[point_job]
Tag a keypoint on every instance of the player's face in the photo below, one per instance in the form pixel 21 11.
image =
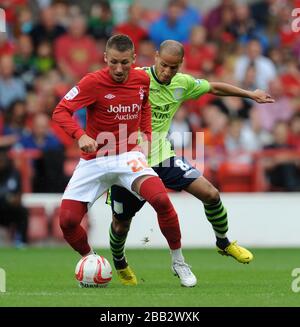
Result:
pixel 119 63
pixel 166 66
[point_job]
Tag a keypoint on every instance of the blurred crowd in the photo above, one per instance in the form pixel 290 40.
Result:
pixel 49 45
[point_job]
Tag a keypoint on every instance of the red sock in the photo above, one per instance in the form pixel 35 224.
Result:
pixel 71 214
pixel 154 192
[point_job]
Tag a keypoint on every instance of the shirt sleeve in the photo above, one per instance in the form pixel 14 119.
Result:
pixel 80 96
pixel 195 87
pixel 146 126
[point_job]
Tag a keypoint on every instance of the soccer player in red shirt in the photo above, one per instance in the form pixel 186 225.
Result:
pixel 116 99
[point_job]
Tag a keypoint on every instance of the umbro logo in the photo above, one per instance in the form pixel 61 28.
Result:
pixel 109 96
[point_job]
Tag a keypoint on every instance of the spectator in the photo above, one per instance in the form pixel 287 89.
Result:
pixel 61 8
pixel 146 53
pixel 15 120
pixel 25 22
pixel 249 81
pixel 265 69
pixel 281 110
pixel 11 88
pixel 75 52
pixel 133 27
pixel 50 165
pixel 290 78
pixel 44 57
pixel 6 46
pixel 262 12
pixel 12 212
pixel 120 10
pixel 240 141
pixel 190 15
pixel 282 168
pixel 294 136
pixel 100 23
pixel 244 28
pixel 197 47
pixel 234 106
pixel 47 28
pixel 215 17
pixel 169 25
pixel 215 123
pixel 25 62
pixel 263 137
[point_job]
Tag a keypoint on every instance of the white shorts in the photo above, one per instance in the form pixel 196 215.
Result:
pixel 91 178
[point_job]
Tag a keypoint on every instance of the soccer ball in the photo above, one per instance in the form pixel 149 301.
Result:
pixel 93 271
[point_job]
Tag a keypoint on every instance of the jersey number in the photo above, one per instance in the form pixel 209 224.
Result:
pixel 137 164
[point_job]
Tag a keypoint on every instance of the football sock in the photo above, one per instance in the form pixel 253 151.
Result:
pixel 71 214
pixel 177 255
pixel 222 243
pixel 153 191
pixel 217 215
pixel 117 244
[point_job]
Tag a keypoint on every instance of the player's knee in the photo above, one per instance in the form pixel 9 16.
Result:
pixel 212 195
pixel 161 203
pixel 121 227
pixel 67 219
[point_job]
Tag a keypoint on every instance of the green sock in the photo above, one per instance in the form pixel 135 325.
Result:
pixel 217 215
pixel 117 245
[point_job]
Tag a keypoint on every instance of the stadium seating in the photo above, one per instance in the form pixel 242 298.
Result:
pixel 235 177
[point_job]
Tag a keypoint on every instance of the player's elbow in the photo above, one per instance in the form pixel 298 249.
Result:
pixel 55 115
pixel 58 114
pixel 218 88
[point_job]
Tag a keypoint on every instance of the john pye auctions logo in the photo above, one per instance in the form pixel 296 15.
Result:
pixel 131 112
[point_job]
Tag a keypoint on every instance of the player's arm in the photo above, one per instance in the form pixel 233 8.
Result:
pixel 79 96
pixel 225 89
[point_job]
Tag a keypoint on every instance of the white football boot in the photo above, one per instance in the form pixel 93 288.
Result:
pixel 183 271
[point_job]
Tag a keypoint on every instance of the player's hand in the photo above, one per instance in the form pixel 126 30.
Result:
pixel 261 96
pixel 87 144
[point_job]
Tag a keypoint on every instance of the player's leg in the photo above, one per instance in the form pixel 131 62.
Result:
pixel 141 180
pixel 124 206
pixel 87 183
pixel 71 214
pixel 216 214
pixel 153 191
pixel 178 174
pixel 117 237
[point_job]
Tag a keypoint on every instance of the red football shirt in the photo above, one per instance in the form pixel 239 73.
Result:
pixel 115 111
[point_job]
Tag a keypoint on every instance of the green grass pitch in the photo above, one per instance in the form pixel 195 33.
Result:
pixel 45 277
